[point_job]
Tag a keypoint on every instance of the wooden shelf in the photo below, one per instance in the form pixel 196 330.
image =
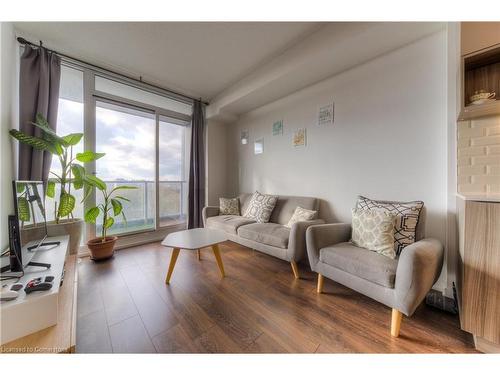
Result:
pixel 481 110
pixel 60 338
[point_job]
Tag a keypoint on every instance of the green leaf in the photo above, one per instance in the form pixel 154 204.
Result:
pixel 109 222
pixel 49 134
pixel 20 186
pixel 122 187
pixel 91 215
pixel 88 156
pixel 51 189
pixel 23 209
pixel 87 190
pixel 78 173
pixel 73 138
pixel 117 206
pixel 95 182
pixel 122 198
pixel 66 205
pixel 35 142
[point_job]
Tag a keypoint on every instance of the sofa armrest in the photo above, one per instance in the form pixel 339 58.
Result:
pixel 297 239
pixel 419 267
pixel 320 236
pixel 209 211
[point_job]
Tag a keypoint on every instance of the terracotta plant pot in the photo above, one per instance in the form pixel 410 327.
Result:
pixel 100 249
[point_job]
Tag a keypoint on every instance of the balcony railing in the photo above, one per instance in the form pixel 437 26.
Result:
pixel 141 210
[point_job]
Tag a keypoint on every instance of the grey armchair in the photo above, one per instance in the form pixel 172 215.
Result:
pixel 400 283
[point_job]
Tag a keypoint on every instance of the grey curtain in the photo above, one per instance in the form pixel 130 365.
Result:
pixel 39 77
pixel 196 194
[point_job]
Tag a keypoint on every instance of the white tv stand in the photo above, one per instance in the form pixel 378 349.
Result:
pixel 43 321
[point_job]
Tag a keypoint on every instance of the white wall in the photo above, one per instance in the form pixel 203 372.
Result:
pixel 216 158
pixel 389 140
pixel 8 118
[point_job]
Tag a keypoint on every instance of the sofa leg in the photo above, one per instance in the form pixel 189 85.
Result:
pixel 320 283
pixel 397 316
pixel 295 269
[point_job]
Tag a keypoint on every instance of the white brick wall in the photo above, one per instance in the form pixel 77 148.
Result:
pixel 479 155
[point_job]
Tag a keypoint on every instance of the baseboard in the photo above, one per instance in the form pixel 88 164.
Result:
pixel 486 346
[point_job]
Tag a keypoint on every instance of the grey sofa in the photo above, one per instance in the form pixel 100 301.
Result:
pixel 400 283
pixel 272 238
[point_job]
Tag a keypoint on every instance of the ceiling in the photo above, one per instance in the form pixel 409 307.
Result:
pixel 200 59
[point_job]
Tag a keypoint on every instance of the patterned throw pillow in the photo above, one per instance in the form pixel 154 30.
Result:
pixel 301 214
pixel 374 230
pixel 260 207
pixel 408 214
pixel 229 206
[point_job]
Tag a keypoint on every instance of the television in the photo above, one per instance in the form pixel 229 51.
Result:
pixel 28 226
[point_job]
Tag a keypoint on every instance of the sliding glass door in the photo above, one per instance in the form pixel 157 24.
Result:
pixel 172 181
pixel 127 135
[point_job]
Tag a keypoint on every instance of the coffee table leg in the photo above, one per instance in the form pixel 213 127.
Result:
pixel 218 258
pixel 173 259
pixel 199 254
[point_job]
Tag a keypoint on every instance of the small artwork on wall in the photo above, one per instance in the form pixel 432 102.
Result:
pixel 326 114
pixel 278 127
pixel 258 146
pixel 244 137
pixel 299 137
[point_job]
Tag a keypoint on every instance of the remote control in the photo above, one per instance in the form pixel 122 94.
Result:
pixel 37 285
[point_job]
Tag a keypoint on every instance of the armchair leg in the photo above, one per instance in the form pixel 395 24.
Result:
pixel 295 269
pixel 397 316
pixel 320 283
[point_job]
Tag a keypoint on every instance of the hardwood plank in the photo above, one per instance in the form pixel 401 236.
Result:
pixel 215 340
pixel 92 333
pixel 130 336
pixel 265 344
pixel 154 312
pixel 174 340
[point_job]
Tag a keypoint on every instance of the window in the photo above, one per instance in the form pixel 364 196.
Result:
pixel 127 136
pixel 69 120
pixel 173 154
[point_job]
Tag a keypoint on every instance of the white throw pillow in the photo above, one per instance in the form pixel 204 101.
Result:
pixel 374 230
pixel 260 207
pixel 301 214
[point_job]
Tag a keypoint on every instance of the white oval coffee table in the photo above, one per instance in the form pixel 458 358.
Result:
pixel 194 239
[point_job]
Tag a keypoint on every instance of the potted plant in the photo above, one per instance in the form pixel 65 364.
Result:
pixel 103 247
pixel 72 175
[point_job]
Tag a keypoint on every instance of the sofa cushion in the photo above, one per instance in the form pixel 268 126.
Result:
pixel 229 206
pixel 286 205
pixel 260 207
pixel 408 215
pixel 267 233
pixel 360 262
pixel 301 214
pixel 228 223
pixel 374 230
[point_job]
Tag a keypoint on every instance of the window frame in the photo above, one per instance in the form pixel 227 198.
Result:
pixel 90 98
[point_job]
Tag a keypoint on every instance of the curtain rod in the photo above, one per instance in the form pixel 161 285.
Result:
pixel 24 41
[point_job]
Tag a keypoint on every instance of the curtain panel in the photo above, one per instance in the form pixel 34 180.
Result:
pixel 196 194
pixel 39 78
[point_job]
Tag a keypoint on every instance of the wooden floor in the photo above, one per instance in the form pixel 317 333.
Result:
pixel 125 306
